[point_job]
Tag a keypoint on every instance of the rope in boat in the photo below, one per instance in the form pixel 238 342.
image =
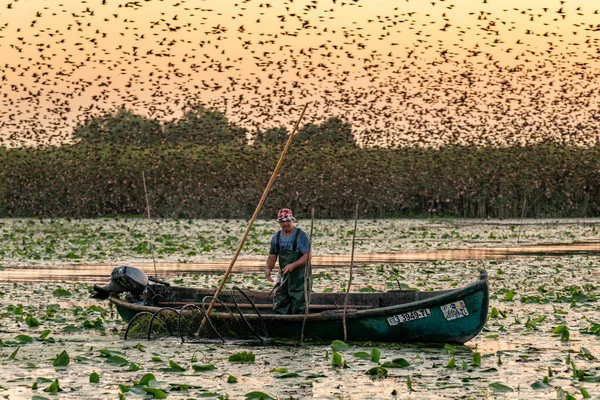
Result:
pixel 264 325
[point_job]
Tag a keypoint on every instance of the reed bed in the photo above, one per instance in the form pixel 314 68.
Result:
pixel 188 181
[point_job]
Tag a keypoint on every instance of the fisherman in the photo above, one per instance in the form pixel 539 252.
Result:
pixel 292 246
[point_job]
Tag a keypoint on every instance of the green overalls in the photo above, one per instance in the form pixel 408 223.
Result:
pixel 289 290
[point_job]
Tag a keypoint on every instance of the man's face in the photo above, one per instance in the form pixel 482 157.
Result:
pixel 287 226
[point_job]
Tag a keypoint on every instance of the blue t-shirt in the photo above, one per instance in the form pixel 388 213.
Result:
pixel 287 243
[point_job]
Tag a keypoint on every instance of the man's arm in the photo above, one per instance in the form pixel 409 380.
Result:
pixel 271 259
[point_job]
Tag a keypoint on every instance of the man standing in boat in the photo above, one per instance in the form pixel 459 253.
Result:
pixel 291 245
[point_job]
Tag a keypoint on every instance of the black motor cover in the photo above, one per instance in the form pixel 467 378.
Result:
pixel 123 279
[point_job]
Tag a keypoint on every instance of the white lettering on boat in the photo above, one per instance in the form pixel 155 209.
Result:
pixel 455 310
pixel 409 316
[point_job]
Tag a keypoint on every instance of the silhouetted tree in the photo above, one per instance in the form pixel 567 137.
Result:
pixel 120 127
pixel 275 137
pixel 204 126
pixel 334 131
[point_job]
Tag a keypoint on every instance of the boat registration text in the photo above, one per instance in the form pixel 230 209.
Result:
pixel 455 310
pixel 409 316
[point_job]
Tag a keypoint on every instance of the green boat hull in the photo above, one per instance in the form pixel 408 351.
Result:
pixel 449 316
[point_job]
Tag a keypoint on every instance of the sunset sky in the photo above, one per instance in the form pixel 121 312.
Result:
pixel 401 72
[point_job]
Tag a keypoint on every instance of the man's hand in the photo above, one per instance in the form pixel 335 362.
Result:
pixel 288 268
pixel 298 264
pixel 268 274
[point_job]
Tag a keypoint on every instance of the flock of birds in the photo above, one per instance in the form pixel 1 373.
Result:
pixel 402 73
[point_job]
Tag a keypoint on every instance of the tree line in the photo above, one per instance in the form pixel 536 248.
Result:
pixel 202 126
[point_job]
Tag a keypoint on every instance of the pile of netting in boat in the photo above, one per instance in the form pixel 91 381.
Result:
pixel 192 322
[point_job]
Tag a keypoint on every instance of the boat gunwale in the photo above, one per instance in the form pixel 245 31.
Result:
pixel 447 296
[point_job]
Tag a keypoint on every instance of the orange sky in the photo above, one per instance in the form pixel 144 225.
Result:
pixel 413 69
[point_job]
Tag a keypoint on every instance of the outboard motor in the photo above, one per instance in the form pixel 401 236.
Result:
pixel 123 279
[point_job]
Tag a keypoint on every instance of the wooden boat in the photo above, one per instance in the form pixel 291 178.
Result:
pixel 445 316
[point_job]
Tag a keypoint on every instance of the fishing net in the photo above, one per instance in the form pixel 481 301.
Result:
pixel 239 320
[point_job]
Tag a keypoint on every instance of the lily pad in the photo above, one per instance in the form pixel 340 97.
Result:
pixel 203 367
pixel 540 385
pixel 133 367
pixel 396 363
pixel 23 339
pixel 62 360
pixel 157 393
pixel 375 355
pixel 242 357
pixel 279 370
pixel 379 372
pixel 287 375
pixel 338 345
pixel 54 387
pixel 500 387
pixel 173 367
pixel 146 378
pixel 258 396
pixel 209 394
pixel 60 292
pixel 13 355
pixel 117 360
pixel 336 359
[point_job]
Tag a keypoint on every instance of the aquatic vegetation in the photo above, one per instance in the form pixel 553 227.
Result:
pixel 54 337
pixel 242 357
pixel 26 242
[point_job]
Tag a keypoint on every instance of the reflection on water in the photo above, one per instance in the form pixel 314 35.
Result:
pixel 101 272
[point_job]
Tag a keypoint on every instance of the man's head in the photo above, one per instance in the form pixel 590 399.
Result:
pixel 286 219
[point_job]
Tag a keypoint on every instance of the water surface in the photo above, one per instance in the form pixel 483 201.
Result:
pixel 100 272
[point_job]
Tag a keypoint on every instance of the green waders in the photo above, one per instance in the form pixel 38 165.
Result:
pixel 289 290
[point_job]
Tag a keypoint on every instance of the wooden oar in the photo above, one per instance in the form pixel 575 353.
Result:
pixel 260 204
pixel 351 265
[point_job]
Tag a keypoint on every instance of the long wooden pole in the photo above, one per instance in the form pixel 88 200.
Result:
pixel 306 268
pixel 521 221
pixel 260 204
pixel 149 219
pixel 351 267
